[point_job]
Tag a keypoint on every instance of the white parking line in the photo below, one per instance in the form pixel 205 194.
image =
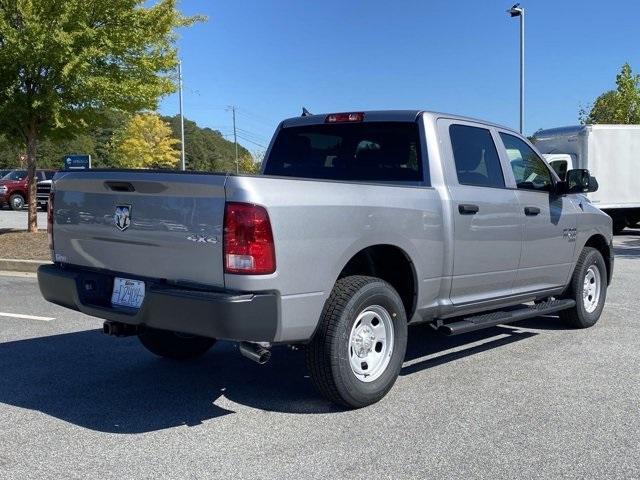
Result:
pixel 26 317
pixel 9 273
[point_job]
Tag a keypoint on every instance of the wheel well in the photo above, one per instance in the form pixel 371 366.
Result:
pixel 600 243
pixel 391 264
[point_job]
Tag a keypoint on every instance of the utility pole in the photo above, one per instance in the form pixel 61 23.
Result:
pixel 235 137
pixel 181 115
pixel 518 11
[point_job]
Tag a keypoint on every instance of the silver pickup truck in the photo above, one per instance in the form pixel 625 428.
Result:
pixel 360 224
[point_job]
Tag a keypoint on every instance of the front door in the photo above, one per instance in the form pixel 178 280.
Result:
pixel 486 219
pixel 550 220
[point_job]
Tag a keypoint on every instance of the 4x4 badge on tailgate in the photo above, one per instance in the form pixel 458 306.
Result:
pixel 122 217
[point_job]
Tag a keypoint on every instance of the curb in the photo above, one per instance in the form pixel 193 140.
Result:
pixel 15 265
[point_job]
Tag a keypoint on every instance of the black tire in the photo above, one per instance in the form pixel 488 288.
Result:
pixel 579 316
pixel 328 354
pixel 16 202
pixel 174 345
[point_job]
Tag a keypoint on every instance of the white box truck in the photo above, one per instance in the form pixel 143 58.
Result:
pixel 612 155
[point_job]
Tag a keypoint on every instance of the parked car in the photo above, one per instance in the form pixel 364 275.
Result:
pixel 43 190
pixel 14 189
pixel 361 224
pixel 611 153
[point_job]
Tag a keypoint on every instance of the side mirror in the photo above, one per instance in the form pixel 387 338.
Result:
pixel 580 180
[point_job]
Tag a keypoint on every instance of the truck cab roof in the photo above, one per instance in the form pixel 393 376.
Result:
pixel 386 116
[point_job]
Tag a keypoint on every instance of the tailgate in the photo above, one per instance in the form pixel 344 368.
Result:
pixel 147 224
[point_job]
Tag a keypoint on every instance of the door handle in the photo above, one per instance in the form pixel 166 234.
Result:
pixel 468 209
pixel 531 211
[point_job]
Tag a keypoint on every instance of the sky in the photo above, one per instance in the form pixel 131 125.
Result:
pixel 271 58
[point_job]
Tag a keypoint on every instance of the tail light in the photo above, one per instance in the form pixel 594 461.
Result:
pixel 248 240
pixel 50 219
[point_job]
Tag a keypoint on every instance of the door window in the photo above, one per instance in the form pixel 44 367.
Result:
pixel 529 170
pixel 476 157
pixel 560 166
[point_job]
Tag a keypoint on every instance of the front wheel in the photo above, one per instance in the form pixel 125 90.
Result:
pixel 174 345
pixel 356 354
pixel 16 202
pixel 588 288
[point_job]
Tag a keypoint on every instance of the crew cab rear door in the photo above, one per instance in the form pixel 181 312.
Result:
pixel 487 237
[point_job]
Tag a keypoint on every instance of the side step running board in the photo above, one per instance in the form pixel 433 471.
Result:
pixel 477 322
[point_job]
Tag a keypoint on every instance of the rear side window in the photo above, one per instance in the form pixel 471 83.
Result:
pixel 368 151
pixel 476 156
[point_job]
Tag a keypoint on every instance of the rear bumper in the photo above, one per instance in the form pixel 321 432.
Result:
pixel 222 315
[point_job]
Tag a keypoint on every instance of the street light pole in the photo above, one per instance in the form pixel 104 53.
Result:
pixel 518 11
pixel 181 115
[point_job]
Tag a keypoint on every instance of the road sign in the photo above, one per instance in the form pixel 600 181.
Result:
pixel 77 162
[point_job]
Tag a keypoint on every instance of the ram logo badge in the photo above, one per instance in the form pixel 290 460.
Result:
pixel 122 217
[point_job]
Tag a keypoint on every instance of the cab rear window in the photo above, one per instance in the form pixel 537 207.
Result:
pixel 368 151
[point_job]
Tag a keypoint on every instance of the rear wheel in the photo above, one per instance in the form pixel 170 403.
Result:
pixel 16 201
pixel 357 352
pixel 175 345
pixel 588 288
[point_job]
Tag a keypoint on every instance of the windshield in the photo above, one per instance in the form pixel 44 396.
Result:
pixel 369 151
pixel 15 175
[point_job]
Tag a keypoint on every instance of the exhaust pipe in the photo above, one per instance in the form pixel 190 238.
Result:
pixel 255 352
pixel 118 329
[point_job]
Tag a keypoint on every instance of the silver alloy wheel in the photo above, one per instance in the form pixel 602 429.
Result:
pixel 17 202
pixel 591 289
pixel 371 343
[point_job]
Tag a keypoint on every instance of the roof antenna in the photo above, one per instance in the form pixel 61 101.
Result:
pixel 305 112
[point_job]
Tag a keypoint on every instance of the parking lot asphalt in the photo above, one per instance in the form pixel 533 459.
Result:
pixel 530 400
pixel 17 220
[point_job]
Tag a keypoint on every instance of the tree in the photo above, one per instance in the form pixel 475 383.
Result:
pixel 621 105
pixel 63 63
pixel 145 142
pixel 246 164
pixel 206 149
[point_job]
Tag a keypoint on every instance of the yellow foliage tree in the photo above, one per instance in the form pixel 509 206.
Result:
pixel 145 141
pixel 246 164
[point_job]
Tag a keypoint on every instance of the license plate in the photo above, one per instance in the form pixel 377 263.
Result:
pixel 127 292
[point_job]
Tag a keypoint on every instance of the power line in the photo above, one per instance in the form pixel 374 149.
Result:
pixel 252 114
pixel 255 136
pixel 251 141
